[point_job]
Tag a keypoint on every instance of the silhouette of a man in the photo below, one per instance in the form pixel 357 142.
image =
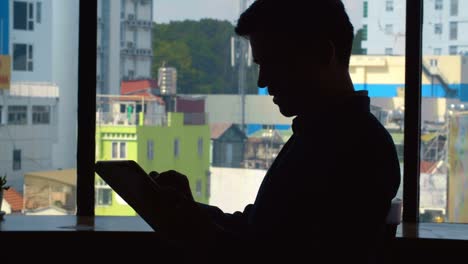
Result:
pixel 327 194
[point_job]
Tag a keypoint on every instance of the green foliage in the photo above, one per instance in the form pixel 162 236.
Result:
pixel 3 182
pixel 201 53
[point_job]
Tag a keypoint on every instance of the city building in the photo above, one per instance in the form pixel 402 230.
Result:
pixel 445 27
pixel 157 141
pixel 28 130
pixel 124 50
pixel 228 143
pixel 42 42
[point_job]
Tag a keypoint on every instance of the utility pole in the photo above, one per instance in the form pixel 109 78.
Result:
pixel 241 57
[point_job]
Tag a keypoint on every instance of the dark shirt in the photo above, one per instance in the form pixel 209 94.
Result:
pixel 326 195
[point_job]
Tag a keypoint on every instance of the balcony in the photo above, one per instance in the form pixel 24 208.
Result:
pixel 133 119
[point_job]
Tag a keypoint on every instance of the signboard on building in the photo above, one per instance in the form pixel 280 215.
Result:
pixel 4 27
pixel 5 72
pixel 458 169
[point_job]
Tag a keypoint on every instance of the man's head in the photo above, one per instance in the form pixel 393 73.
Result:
pixel 298 45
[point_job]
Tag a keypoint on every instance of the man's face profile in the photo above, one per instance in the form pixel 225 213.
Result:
pixel 285 72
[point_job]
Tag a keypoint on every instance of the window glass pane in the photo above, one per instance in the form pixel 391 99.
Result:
pixel 197 80
pixel 38 117
pixel 444 90
pixel 20 15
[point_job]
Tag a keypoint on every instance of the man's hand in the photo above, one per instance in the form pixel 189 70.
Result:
pixel 173 180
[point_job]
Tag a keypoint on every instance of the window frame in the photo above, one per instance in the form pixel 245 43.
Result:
pixel 87 106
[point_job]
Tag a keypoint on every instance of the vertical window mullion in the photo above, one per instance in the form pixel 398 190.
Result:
pixel 412 141
pixel 86 107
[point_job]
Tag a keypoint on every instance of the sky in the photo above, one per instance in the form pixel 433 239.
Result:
pixel 170 10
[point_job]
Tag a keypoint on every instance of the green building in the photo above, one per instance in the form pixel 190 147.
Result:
pixel 172 143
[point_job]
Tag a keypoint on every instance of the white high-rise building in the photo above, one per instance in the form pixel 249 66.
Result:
pixel 445 28
pixel 124 49
pixel 43 45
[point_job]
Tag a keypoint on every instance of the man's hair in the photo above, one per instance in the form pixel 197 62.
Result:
pixel 301 21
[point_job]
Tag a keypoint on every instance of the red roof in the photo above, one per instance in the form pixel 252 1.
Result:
pixel 14 199
pixel 218 129
pixel 132 87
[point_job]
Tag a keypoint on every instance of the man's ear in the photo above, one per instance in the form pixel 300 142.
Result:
pixel 327 53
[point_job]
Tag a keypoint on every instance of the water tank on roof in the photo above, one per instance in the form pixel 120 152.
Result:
pixel 167 80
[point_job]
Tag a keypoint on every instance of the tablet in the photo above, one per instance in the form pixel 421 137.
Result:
pixel 134 185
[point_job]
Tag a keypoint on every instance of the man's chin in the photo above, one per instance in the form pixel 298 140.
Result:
pixel 287 112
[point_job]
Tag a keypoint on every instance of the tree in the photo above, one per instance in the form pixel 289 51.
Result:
pixel 201 53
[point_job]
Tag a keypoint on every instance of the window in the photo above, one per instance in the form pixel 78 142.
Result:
pixel 198 188
pixel 22 57
pixel 23 15
pixel 364 51
pixel 200 147
pixel 39 12
pixel 388 51
pixel 115 150
pixel 434 62
pixel 389 5
pixel 389 29
pixel 103 193
pixel 176 148
pixel 437 51
pixel 1 114
pixel 438 28
pixel 150 149
pixel 364 32
pixel 439 4
pixel 453 50
pixel 365 10
pixel 41 114
pixel 16 159
pixel 119 150
pixel 123 150
pixel 453 30
pixel 17 115
pixel 454 7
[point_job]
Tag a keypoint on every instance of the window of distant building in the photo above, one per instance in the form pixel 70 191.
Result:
pixel 22 57
pixel 119 150
pixel 437 51
pixel 103 193
pixel 389 5
pixel 38 12
pixel 17 115
pixel 389 29
pixel 453 30
pixel 200 146
pixel 365 9
pixel 439 4
pixel 23 15
pixel 176 148
pixel 1 114
pixel 150 149
pixel 454 7
pixel 16 159
pixel 453 50
pixel 198 188
pixel 364 51
pixel 388 51
pixel 438 28
pixel 40 114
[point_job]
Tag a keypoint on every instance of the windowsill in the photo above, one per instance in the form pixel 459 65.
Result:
pixel 433 231
pixel 71 223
